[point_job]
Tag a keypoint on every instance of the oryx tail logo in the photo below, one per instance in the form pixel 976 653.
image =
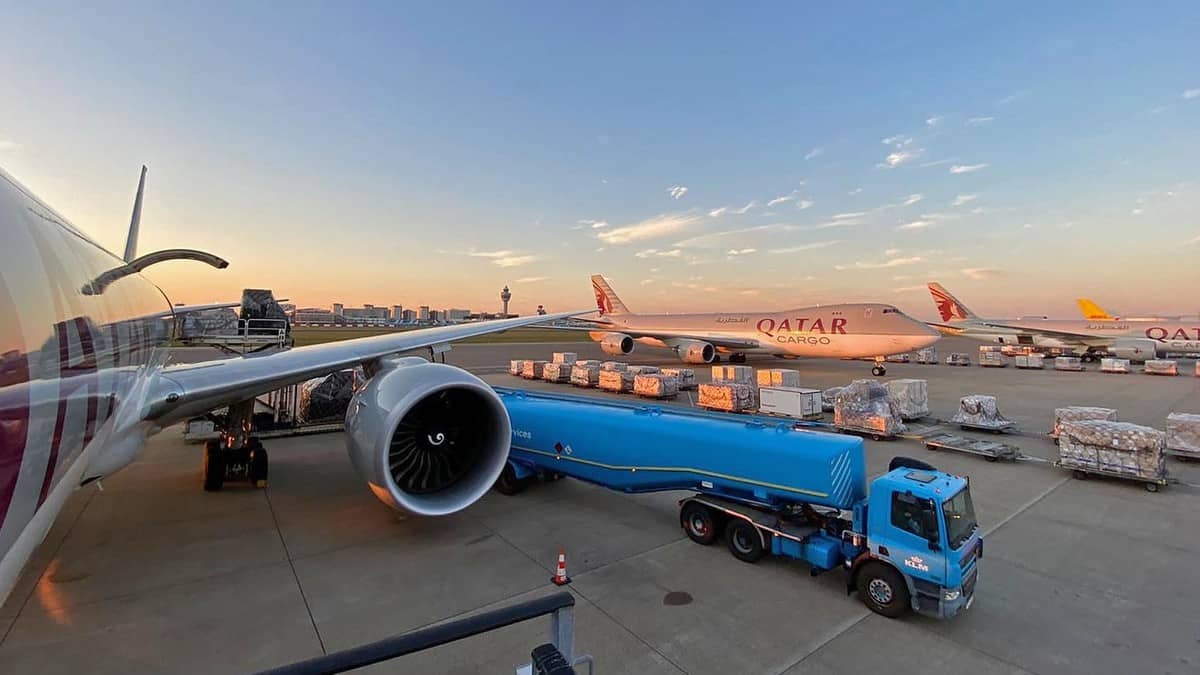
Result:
pixel 602 301
pixel 949 307
pixel 606 298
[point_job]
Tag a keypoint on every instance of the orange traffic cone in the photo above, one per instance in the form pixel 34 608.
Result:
pixel 560 577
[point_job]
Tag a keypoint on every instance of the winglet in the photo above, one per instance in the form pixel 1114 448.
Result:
pixel 135 221
pixel 606 299
pixel 948 305
pixel 1091 310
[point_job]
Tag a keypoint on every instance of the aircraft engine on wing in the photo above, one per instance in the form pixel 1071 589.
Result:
pixel 1137 350
pixel 695 351
pixel 429 438
pixel 617 344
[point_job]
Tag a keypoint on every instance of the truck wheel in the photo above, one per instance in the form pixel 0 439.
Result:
pixel 744 541
pixel 214 466
pixel 883 590
pixel 508 483
pixel 699 523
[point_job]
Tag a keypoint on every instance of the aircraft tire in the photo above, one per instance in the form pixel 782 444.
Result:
pixel 214 466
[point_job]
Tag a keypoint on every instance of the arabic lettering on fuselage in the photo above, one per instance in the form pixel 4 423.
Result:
pixel 732 319
pixel 1107 325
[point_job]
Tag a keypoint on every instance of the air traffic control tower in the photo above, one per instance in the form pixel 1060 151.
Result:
pixel 505 296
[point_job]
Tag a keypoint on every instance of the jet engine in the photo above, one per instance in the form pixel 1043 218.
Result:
pixel 695 351
pixel 1137 350
pixel 429 439
pixel 617 344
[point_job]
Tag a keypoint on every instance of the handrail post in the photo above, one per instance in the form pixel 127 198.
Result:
pixel 562 632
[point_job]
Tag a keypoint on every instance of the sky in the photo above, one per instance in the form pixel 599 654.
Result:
pixel 703 156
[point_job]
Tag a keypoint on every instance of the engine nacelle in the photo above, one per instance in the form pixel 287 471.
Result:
pixel 695 351
pixel 429 439
pixel 1137 350
pixel 617 344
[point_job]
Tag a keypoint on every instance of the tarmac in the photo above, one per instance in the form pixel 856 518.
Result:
pixel 150 574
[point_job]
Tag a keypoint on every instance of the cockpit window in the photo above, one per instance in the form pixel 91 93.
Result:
pixel 890 310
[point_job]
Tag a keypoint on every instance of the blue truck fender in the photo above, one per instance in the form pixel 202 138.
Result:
pixel 860 562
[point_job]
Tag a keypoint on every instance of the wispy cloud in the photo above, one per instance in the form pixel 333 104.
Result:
pixel 742 211
pixel 814 153
pixel 934 120
pixel 939 162
pixel 892 252
pixel 895 159
pixel 854 191
pixel 721 239
pixel 967 168
pixel 979 121
pixel 893 262
pixel 903 151
pixel 810 246
pixel 915 225
pixel 9 146
pixel 595 224
pixel 978 210
pixel 781 200
pixel 647 282
pixel 1194 240
pixel 651 228
pixel 1015 96
pixel 514 260
pixel 489 254
pixel 963 199
pixel 531 280
pixel 1190 94
pixel 740 251
pixel 717 213
pixel 804 204
pixel 908 289
pixel 677 191
pixel 849 216
pixel 981 273
pixel 656 253
pixel 913 199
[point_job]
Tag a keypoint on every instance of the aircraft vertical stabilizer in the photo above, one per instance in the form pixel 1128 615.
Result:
pixel 948 306
pixel 1091 310
pixel 135 221
pixel 606 299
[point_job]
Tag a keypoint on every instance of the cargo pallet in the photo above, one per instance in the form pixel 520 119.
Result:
pixel 1001 428
pixel 657 397
pixel 873 434
pixel 1185 455
pixel 1152 484
pixel 989 450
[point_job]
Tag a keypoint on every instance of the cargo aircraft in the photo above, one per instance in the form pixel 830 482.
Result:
pixel 1133 339
pixel 827 331
pixel 83 343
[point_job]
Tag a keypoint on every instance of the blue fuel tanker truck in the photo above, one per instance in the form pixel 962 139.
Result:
pixel 907 540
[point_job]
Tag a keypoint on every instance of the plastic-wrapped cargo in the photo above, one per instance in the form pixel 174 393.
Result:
pixel 778 377
pixel 911 398
pixel 1077 413
pixel 615 380
pixel 899 358
pixel 958 359
pixel 1160 367
pixel 655 385
pixel 927 356
pixel 532 370
pixel 1113 447
pixel 614 365
pixel 325 399
pixel 686 377
pixel 585 376
pixel 743 374
pixel 222 321
pixel 587 362
pixel 1183 433
pixel 828 397
pixel 980 410
pixel 516 366
pixel 727 396
pixel 790 402
pixel 1030 361
pixel 865 405
pixel 643 370
pixel 1070 363
pixel 1114 365
pixel 993 359
pixel 564 357
pixel 557 372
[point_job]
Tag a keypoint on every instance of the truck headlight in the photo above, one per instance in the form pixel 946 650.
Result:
pixel 951 595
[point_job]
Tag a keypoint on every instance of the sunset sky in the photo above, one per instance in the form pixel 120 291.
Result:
pixel 703 156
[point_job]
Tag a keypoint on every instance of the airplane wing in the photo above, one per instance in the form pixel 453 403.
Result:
pixel 185 391
pixel 664 335
pixel 1081 338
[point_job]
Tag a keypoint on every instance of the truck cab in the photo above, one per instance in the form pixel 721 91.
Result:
pixel 923 544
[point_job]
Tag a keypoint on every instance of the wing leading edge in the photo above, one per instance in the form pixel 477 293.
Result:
pixel 186 391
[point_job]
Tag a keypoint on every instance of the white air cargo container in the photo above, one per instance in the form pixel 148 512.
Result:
pixel 993 359
pixel 778 377
pixel 958 359
pixel 1069 363
pixel 927 356
pixel 790 402
pixel 1114 365
pixel 1030 361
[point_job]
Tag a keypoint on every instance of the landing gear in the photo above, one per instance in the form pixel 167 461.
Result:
pixel 235 455
pixel 737 358
pixel 879 370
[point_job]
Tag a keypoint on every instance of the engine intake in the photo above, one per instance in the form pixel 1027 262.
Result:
pixel 428 438
pixel 695 351
pixel 617 344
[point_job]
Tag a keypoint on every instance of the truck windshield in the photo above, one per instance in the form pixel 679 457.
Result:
pixel 960 518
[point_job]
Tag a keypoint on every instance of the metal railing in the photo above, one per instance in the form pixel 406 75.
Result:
pixel 562 635
pixel 250 335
